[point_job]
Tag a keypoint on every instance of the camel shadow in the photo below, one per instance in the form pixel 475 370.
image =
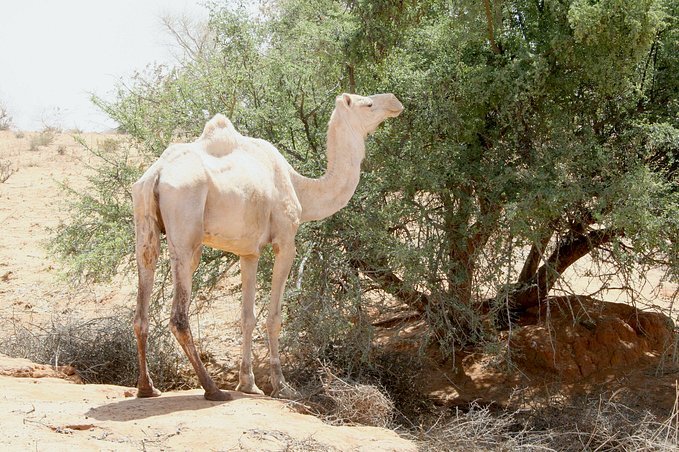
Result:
pixel 135 408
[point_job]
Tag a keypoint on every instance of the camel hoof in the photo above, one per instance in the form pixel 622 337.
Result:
pixel 249 389
pixel 218 396
pixel 148 392
pixel 286 392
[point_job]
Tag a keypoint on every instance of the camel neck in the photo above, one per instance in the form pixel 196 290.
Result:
pixel 322 197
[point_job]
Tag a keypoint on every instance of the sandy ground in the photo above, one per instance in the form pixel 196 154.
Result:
pixel 32 203
pixel 52 414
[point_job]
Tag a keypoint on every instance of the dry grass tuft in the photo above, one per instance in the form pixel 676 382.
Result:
pixel 42 139
pixel 609 425
pixel 478 428
pixel 354 403
pixel 587 424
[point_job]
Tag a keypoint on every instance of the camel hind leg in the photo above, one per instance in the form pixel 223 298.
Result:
pixel 147 250
pixel 183 264
pixel 183 219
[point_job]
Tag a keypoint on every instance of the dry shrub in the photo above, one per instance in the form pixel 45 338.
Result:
pixel 601 425
pixel 355 403
pixel 341 401
pixel 109 145
pixel 6 170
pixel 385 391
pixel 102 350
pixel 44 138
pixel 607 425
pixel 400 373
pixel 478 428
pixel 5 118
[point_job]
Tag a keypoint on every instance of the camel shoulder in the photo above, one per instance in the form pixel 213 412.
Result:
pixel 263 149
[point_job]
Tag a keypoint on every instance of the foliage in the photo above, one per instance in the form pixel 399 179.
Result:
pixel 534 133
pixel 97 241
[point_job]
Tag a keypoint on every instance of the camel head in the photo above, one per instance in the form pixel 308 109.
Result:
pixel 366 113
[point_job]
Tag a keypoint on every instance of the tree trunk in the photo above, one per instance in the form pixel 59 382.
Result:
pixel 535 288
pixel 491 27
pixel 530 266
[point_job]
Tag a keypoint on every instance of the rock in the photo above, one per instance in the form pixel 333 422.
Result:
pixel 23 368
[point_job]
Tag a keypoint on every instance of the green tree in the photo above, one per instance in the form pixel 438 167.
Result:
pixel 526 125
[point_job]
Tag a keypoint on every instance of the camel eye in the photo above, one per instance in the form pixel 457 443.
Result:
pixel 368 104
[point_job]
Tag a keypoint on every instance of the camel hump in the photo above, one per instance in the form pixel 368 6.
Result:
pixel 218 124
pixel 219 136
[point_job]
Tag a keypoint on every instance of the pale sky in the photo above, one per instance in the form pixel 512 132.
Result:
pixel 53 53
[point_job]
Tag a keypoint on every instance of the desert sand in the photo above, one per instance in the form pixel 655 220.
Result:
pixel 50 413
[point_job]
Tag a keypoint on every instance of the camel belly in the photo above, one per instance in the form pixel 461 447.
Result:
pixel 239 247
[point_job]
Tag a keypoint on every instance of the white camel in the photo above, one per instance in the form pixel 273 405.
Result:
pixel 238 194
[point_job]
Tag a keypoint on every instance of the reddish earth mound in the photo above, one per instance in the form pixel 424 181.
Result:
pixel 569 346
pixel 579 337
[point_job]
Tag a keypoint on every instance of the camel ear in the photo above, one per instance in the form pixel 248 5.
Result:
pixel 346 99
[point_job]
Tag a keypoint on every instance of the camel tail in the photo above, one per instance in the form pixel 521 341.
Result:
pixel 148 222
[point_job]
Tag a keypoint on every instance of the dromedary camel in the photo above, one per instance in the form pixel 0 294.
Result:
pixel 238 194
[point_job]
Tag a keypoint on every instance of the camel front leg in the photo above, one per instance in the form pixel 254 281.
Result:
pixel 282 264
pixel 248 273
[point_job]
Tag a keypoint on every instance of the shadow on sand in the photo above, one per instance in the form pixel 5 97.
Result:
pixel 134 408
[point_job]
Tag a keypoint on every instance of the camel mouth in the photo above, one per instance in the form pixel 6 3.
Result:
pixel 395 111
pixel 388 104
pixel 396 108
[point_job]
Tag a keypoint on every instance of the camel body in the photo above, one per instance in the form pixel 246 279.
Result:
pixel 230 196
pixel 238 194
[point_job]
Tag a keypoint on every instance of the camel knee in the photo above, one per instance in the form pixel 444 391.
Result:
pixel 179 323
pixel 179 319
pixel 141 326
pixel 248 321
pixel 147 252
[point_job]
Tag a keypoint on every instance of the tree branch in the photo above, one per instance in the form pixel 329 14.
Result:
pixel 566 254
pixel 390 283
pixel 491 27
pixel 530 266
